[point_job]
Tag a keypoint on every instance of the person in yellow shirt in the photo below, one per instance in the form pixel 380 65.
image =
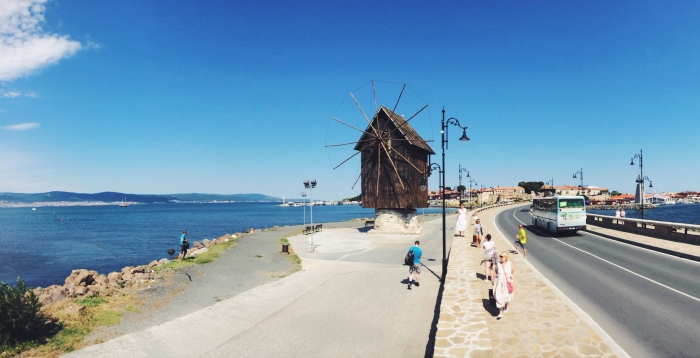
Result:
pixel 520 240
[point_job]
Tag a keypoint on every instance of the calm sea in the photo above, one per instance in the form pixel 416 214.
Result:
pixel 680 213
pixel 43 246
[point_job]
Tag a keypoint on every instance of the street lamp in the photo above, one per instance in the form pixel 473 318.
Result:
pixel 470 190
pixel 580 172
pixel 443 130
pixel 641 178
pixel 461 192
pixel 303 195
pixel 311 184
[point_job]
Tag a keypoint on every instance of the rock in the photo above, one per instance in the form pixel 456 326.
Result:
pixel 52 294
pixel 206 242
pixel 138 269
pixel 101 280
pixel 81 277
pixel 127 277
pixel 114 276
pixel 81 291
pixel 250 230
pixel 127 269
pixel 75 310
pixel 153 264
pixel 200 251
pixel 163 261
pixel 196 245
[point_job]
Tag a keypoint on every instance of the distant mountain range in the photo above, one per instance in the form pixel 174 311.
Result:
pixel 139 198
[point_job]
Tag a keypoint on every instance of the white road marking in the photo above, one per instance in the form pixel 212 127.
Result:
pixel 618 266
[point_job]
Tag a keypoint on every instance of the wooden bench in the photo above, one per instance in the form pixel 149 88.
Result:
pixel 369 222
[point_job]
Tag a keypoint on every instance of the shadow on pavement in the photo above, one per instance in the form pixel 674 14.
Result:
pixel 430 347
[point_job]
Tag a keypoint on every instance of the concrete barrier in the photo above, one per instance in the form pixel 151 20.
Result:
pixel 678 232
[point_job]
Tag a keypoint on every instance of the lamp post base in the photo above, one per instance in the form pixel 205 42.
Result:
pixel 444 269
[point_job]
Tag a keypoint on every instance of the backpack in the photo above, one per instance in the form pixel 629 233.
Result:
pixel 409 258
pixel 185 244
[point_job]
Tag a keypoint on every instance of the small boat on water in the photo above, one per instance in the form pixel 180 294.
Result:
pixel 123 204
pixel 33 209
pixel 285 204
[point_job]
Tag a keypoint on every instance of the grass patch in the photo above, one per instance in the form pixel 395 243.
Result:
pixel 91 301
pixel 295 259
pixel 284 241
pixel 131 309
pixel 258 256
pixel 106 318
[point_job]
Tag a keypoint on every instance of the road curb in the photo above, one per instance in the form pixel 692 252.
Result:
pixel 678 254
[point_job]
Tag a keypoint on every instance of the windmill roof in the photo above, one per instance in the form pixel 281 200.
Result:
pixel 402 126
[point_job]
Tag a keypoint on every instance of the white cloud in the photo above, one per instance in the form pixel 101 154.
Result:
pixel 11 94
pixel 24 46
pixel 21 127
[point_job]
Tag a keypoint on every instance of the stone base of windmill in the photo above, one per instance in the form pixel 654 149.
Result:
pixel 395 222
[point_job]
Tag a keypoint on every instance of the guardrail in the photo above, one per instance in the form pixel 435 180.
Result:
pixel 679 232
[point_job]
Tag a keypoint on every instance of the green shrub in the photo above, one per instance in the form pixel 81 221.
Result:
pixel 20 318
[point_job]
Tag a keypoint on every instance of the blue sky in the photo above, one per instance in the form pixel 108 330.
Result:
pixel 235 97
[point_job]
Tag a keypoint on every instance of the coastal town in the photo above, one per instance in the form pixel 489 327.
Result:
pixel 593 194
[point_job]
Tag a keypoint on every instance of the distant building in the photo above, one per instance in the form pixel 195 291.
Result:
pixel 502 193
pixel 593 193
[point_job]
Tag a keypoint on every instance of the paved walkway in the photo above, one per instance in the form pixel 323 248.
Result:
pixel 540 322
pixel 646 240
pixel 350 299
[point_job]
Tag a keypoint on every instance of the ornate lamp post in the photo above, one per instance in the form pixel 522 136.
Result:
pixel 443 130
pixel 641 178
pixel 311 184
pixel 461 192
pixel 303 195
pixel 470 190
pixel 579 172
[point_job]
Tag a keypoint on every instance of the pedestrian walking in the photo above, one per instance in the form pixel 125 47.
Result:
pixel 478 231
pixel 415 268
pixel 184 245
pixel 503 285
pixel 622 213
pixel 489 259
pixel 521 238
pixel 461 220
pixel 617 213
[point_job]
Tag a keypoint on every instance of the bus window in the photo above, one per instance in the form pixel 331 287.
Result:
pixel 570 203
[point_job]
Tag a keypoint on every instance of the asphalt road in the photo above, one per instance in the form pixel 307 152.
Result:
pixel 648 302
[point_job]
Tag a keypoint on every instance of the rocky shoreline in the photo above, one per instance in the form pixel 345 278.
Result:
pixel 83 283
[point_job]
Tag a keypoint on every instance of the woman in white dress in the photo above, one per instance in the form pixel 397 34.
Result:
pixel 504 275
pixel 461 220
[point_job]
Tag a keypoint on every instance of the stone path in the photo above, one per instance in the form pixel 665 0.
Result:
pixel 539 323
pixel 647 240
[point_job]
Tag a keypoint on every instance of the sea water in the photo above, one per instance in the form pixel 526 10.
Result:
pixel 680 213
pixel 43 246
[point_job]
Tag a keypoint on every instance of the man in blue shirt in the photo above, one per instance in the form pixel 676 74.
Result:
pixel 183 248
pixel 415 268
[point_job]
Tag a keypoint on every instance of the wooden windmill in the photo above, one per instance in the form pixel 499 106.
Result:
pixel 394 161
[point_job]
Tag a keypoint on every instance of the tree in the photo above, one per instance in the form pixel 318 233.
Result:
pixel 461 188
pixel 615 193
pixel 531 186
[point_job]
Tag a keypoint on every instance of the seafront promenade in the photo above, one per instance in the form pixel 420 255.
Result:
pixel 350 299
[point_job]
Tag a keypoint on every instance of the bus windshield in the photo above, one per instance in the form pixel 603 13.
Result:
pixel 570 203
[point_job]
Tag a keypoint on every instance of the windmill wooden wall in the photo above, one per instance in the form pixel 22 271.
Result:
pixel 405 157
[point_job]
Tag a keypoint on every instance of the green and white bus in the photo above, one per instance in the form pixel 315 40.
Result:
pixel 559 214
